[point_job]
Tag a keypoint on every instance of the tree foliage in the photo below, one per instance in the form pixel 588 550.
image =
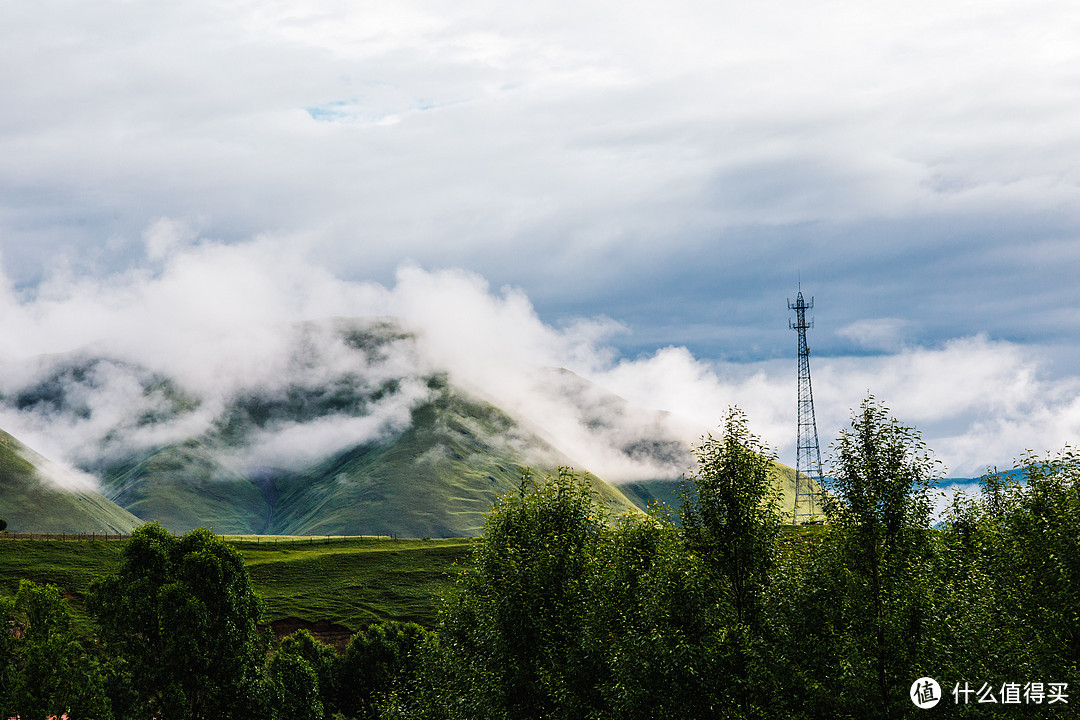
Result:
pixel 46 670
pixel 879 556
pixel 563 611
pixel 513 627
pixel 182 620
pixel 731 516
pixel 380 660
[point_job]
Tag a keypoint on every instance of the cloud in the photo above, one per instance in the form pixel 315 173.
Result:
pixel 880 334
pixel 566 150
pixel 165 236
pixel 221 320
pixel 294 445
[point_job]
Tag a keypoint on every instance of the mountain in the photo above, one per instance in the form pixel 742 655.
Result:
pixel 437 478
pixel 644 493
pixel 336 427
pixel 32 498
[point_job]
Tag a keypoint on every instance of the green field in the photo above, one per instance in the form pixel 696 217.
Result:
pixel 349 582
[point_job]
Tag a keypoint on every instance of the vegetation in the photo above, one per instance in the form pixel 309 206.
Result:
pixel 33 501
pixel 564 613
pixel 181 619
pixel 436 479
pixel 564 610
pixel 350 582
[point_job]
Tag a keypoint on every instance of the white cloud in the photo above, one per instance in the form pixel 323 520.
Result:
pixel 564 126
pixel 166 236
pixel 877 333
pixel 222 318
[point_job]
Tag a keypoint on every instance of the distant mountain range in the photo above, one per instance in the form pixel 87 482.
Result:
pixel 352 434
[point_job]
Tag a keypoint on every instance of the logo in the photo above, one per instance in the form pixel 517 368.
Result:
pixel 925 692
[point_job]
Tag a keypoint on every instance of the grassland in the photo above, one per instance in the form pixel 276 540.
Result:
pixel 346 581
pixel 351 581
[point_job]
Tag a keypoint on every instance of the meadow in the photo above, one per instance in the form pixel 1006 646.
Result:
pixel 346 581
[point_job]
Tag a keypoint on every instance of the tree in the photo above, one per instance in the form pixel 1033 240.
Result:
pixel 295 687
pixel 731 518
pixel 511 635
pixel 182 619
pixel 730 514
pixel 1021 544
pixel 652 617
pixel 298 695
pixel 878 557
pixel 379 660
pixel 46 671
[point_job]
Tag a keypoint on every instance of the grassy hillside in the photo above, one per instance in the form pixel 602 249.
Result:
pixel 436 479
pixel 353 581
pixel 31 502
pixel 352 435
pixel 185 486
pixel 645 492
pixel 348 582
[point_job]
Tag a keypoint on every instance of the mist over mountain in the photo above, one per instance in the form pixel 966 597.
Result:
pixel 38 495
pixel 347 428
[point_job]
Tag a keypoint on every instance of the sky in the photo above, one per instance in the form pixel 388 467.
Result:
pixel 633 190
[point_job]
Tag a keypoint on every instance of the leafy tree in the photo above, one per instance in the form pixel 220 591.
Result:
pixel 379 660
pixel 1019 542
pixel 181 617
pixel 879 560
pixel 731 519
pixel 295 687
pixel 652 617
pixel 730 514
pixel 286 673
pixel 511 635
pixel 46 671
pixel 1040 532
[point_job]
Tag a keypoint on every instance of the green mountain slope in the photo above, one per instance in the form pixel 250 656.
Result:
pixel 185 486
pixel 436 479
pixel 645 492
pixel 345 429
pixel 31 502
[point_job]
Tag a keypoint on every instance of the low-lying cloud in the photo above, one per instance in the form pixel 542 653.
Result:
pixel 215 320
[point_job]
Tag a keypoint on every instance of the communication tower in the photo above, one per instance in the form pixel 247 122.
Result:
pixel 808 459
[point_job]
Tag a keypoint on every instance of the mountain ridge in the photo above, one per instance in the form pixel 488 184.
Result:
pixel 349 431
pixel 32 499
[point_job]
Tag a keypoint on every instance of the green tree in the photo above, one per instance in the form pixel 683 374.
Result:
pixel 879 560
pixel 652 617
pixel 182 620
pixel 295 686
pixel 511 634
pixel 46 670
pixel 1026 558
pixel 731 519
pixel 286 673
pixel 378 661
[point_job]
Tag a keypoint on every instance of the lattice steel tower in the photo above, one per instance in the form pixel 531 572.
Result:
pixel 808 460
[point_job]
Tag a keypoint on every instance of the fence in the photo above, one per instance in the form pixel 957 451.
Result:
pixel 258 539
pixel 73 537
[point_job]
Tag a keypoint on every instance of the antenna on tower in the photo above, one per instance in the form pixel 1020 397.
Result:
pixel 808 458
